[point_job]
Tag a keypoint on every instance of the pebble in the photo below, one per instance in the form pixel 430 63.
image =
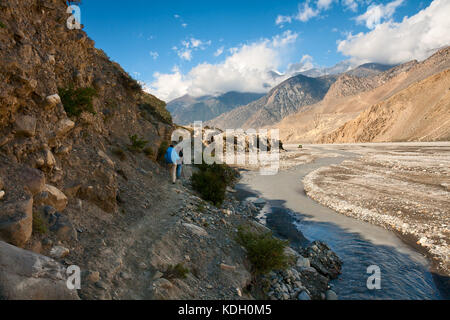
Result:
pixel 59 252
pixel 303 296
pixel 2 194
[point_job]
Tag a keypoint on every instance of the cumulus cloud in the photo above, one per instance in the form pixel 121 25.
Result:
pixel 245 68
pixel 190 45
pixel 324 4
pixel 375 14
pixel 397 42
pixel 304 13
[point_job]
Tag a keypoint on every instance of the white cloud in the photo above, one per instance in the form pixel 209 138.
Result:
pixel 190 45
pixel 154 55
pixel 413 38
pixel 246 68
pixel 306 63
pixel 184 25
pixel 350 4
pixel 305 12
pixel 375 14
pixel 324 4
pixel 219 51
pixel 185 54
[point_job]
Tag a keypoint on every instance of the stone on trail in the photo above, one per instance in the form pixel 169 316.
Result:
pixel 226 267
pixel 199 231
pixel 59 252
pixel 25 275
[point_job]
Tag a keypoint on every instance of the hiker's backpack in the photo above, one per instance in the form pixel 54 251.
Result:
pixel 168 156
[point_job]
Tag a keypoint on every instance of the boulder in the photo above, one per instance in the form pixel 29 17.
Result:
pixel 199 231
pixel 59 252
pixel 53 100
pixel 25 126
pixel 16 221
pixel 303 262
pixel 49 158
pixel 52 196
pixel 63 127
pixel 304 296
pixel 325 261
pixel 2 194
pixel 25 275
pixel 63 228
pixel 331 295
pixel 33 180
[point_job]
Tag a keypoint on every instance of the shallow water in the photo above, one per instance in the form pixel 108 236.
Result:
pixel 291 214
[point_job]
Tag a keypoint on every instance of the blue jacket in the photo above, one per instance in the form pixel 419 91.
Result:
pixel 171 155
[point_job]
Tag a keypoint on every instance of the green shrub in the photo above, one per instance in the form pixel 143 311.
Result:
pixel 39 225
pixel 162 151
pixel 178 271
pixel 300 146
pixel 212 180
pixel 137 144
pixel 75 101
pixel 265 252
pixel 149 152
pixel 2 25
pixel 119 153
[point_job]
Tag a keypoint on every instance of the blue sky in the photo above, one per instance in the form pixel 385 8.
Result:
pixel 175 47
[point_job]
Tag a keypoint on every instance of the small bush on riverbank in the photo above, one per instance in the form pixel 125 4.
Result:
pixel 212 180
pixel 265 252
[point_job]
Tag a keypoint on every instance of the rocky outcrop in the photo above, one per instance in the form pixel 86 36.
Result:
pixel 418 113
pixel 25 275
pixel 54 158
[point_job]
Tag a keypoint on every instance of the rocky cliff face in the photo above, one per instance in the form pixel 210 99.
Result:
pixel 418 113
pixel 55 156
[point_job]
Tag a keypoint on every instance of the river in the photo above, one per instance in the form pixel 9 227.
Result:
pixel 291 214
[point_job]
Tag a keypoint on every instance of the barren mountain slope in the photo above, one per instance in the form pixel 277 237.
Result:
pixel 283 100
pixel 187 109
pixel 348 97
pixel 418 113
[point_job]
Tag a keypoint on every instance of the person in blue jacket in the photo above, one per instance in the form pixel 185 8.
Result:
pixel 172 158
